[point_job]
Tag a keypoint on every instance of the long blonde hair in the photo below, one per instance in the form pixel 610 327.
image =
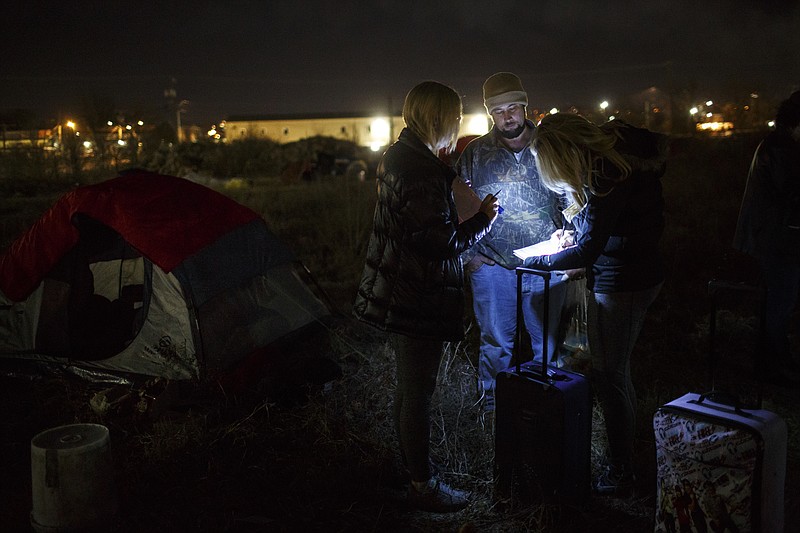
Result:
pixel 433 112
pixel 566 147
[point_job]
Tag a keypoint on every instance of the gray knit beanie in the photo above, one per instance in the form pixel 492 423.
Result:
pixel 503 88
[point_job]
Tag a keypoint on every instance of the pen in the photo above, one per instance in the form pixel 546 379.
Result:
pixel 499 207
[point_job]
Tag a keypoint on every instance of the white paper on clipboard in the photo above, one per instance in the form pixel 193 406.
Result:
pixel 547 247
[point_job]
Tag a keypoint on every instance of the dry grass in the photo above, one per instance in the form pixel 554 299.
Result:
pixel 323 458
pixel 212 462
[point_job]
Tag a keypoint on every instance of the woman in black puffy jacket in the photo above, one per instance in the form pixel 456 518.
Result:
pixel 412 284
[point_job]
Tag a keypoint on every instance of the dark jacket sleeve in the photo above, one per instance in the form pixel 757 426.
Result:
pixel 764 225
pixel 433 229
pixel 594 228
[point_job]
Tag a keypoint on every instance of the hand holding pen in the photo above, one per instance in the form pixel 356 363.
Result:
pixel 490 206
pixel 499 207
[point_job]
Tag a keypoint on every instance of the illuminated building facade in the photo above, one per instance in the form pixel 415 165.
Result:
pixel 373 131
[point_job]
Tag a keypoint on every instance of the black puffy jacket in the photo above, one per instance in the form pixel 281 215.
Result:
pixel 413 280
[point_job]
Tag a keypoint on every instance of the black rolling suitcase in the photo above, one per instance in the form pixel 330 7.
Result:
pixel 543 426
pixel 720 465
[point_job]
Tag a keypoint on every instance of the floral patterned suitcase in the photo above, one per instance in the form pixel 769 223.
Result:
pixel 720 467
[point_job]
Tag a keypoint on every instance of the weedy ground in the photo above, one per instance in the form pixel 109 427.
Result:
pixel 321 456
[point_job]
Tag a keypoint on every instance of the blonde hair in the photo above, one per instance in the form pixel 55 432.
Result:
pixel 566 147
pixel 433 112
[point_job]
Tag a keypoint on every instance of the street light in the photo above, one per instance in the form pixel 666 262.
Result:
pixel 68 124
pixel 380 133
pixel 604 106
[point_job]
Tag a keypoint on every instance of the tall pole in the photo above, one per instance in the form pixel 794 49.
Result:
pixel 391 120
pixel 181 109
pixel 178 123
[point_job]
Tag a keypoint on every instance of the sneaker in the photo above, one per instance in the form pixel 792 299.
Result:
pixel 437 497
pixel 615 481
pixel 405 475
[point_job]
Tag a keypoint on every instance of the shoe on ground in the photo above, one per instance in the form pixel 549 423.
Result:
pixel 615 481
pixel 405 475
pixel 437 497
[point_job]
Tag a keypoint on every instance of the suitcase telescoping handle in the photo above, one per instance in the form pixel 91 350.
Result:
pixel 715 288
pixel 545 275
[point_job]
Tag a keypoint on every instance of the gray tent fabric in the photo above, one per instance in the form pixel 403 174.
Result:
pixel 106 307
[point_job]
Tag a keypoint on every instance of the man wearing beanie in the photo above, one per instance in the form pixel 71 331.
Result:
pixel 501 160
pixel 769 230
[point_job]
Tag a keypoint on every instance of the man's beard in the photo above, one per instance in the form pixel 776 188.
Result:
pixel 513 134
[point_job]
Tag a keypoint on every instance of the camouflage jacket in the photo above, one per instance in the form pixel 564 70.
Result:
pixel 530 212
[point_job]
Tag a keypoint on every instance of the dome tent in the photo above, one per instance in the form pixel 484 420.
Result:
pixel 147 275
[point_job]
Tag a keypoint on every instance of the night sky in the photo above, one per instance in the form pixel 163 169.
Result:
pixel 277 57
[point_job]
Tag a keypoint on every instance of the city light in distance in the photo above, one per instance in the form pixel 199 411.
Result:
pixel 475 124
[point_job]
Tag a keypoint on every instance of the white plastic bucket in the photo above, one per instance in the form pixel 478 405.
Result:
pixel 72 479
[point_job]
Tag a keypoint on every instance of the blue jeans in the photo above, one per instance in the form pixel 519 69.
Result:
pixel 614 321
pixel 494 300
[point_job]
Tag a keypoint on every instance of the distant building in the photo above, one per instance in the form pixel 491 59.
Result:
pixel 715 124
pixel 373 131
pixel 11 139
